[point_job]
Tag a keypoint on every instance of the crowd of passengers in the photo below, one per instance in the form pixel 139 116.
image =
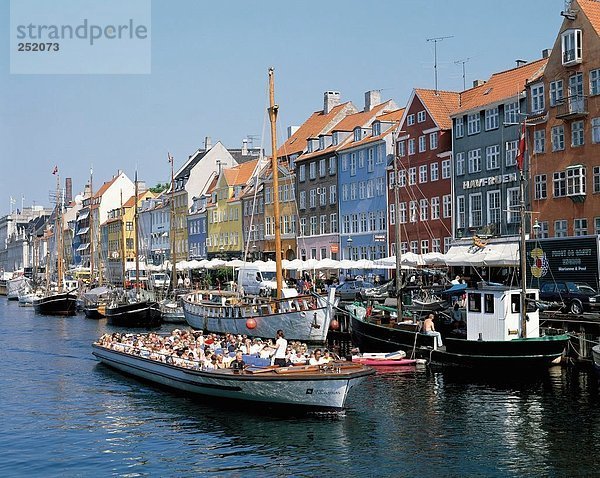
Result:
pixel 195 350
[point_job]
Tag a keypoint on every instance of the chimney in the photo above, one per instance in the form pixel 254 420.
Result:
pixel 331 99
pixel 520 62
pixel 207 143
pixel 291 130
pixel 372 99
pixel 546 52
pixel 68 190
pixel 477 83
pixel 244 146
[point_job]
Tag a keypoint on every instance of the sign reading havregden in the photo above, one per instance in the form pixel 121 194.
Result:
pixel 80 37
pixel 490 180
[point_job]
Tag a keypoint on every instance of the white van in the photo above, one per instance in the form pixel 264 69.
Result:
pixel 254 281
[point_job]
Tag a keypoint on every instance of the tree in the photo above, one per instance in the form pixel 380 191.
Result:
pixel 159 188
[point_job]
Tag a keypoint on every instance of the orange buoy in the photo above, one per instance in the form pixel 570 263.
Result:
pixel 334 325
pixel 251 323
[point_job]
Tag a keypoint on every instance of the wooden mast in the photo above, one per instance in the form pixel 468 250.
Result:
pixel 123 250
pixel 522 244
pixel 136 239
pixel 91 221
pixel 273 109
pixel 172 227
pixel 58 236
pixel 397 231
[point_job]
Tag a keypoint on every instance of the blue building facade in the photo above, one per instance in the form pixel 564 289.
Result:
pixel 197 230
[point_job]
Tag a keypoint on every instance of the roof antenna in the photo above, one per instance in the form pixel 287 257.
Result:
pixel 435 42
pixel 463 71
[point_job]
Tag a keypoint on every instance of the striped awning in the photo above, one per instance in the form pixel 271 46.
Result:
pixel 83 247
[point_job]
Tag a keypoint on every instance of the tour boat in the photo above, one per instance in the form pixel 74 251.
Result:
pixel 315 389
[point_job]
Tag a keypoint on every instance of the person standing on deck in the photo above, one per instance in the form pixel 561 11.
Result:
pixel 280 349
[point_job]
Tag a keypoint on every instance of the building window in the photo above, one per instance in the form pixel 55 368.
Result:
pixel 492 157
pixel 493 207
pixel 322 168
pixel 423 173
pixel 302 199
pixel 424 246
pixel 597 225
pixel 414 247
pixel 345 162
pixel 595 130
pixel 402 213
pixel 434 171
pixel 577 133
pixel 402 148
pixel 474 160
pixel 332 194
pixel 460 206
pixel 512 148
pixel 313 225
pixel 435 208
pixel 459 127
pixel 475 216
pixel 594 82
pixel 345 192
pixel 357 134
pixel 491 119
pixel 313 198
pixel 361 158
pixel 473 123
pixel 313 170
pixel 460 164
pixel 558 138
pixel 421 116
pixel 332 166
pixel 380 186
pixel 353 164
pixel 333 223
pixel 410 120
pixel 575 181
pixel 540 186
pixel 401 178
pixel 392 214
pixel 381 220
pixel 322 196
pixel 362 190
pixel 560 228
pixel 411 146
pixel 412 176
pixel 511 113
pixel 559 184
pixel 354 223
pixel 512 205
pixel 424 210
pixel 413 211
pixel 580 227
pixel 571 46
pixel 556 92
pixel 446 169
pixel 447 205
pixel 422 143
pixel 436 245
pixel 371 160
pixel 376 128
pixel 543 232
pixel 537 98
pixel 596 179
pixel 302 172
pixel 323 224
pixel 433 140
pixel 539 141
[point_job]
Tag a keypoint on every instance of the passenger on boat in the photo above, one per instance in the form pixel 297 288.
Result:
pixel 280 350
pixel 317 359
pixel 298 358
pixel 429 329
pixel 238 363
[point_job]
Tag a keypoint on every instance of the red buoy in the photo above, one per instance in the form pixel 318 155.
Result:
pixel 334 325
pixel 251 323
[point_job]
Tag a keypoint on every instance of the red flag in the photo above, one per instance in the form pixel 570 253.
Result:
pixel 522 146
pixel 55 170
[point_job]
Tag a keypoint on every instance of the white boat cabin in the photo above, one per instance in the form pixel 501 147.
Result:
pixel 493 313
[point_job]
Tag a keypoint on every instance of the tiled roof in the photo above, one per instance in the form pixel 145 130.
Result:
pixel 212 185
pixel 105 186
pixel 239 175
pixel 440 105
pixel 311 128
pixel 392 116
pixel 129 202
pixel 395 115
pixel 591 9
pixel 500 86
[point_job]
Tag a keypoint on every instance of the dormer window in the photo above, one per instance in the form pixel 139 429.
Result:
pixel 376 128
pixel 571 47
pixel 309 148
pixel 321 142
pixel 357 134
pixel 335 138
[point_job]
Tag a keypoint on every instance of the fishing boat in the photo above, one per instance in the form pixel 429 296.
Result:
pixel 392 359
pixel 314 389
pixel 131 310
pixel 60 299
pixel 15 286
pixel 305 318
pixel 94 302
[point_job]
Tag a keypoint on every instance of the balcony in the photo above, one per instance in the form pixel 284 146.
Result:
pixel 572 107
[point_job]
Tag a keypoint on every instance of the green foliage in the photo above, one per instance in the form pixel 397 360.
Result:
pixel 159 188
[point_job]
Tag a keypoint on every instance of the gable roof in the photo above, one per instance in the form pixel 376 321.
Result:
pixel 105 186
pixel 591 9
pixel 440 105
pixel 501 86
pixel 239 175
pixel 316 124
pixel 393 117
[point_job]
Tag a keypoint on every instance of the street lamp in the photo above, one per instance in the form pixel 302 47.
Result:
pixel 349 243
pixel 536 228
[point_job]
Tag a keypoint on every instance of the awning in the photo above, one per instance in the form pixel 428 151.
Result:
pixel 83 215
pixel 83 247
pixel 83 231
pixel 500 254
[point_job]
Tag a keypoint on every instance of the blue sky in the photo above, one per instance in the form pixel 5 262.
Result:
pixel 209 78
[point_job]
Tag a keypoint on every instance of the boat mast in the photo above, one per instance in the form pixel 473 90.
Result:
pixel 397 229
pixel 91 225
pixel 273 109
pixel 172 227
pixel 123 258
pixel 58 237
pixel 136 240
pixel 523 256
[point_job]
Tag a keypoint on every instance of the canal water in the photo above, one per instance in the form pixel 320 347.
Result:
pixel 64 414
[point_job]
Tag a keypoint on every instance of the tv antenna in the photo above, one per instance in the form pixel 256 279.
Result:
pixel 462 62
pixel 435 41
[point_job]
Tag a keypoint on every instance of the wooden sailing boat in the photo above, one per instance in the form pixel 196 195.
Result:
pixel 59 301
pixel 502 323
pixel 133 311
pixel 304 318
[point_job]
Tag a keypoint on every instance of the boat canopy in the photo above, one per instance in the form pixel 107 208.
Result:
pixel 500 254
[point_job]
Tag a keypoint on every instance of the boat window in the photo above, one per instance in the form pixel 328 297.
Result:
pixel 489 303
pixel 532 304
pixel 515 303
pixel 474 302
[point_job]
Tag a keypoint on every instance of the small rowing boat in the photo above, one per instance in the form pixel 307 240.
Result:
pixel 392 359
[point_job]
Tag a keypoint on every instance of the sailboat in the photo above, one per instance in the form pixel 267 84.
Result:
pixel 305 318
pixel 133 311
pixel 58 301
pixel 502 323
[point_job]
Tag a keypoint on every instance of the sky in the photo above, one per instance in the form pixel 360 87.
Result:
pixel 209 64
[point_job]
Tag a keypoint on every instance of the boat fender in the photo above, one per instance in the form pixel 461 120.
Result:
pixel 302 314
pixel 369 311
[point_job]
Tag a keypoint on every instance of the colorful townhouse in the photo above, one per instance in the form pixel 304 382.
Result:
pixel 253 221
pixel 564 129
pixel 487 126
pixel 225 238
pixel 197 229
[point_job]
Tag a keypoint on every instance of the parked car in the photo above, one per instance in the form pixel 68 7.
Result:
pixel 577 297
pixel 160 280
pixel 353 290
